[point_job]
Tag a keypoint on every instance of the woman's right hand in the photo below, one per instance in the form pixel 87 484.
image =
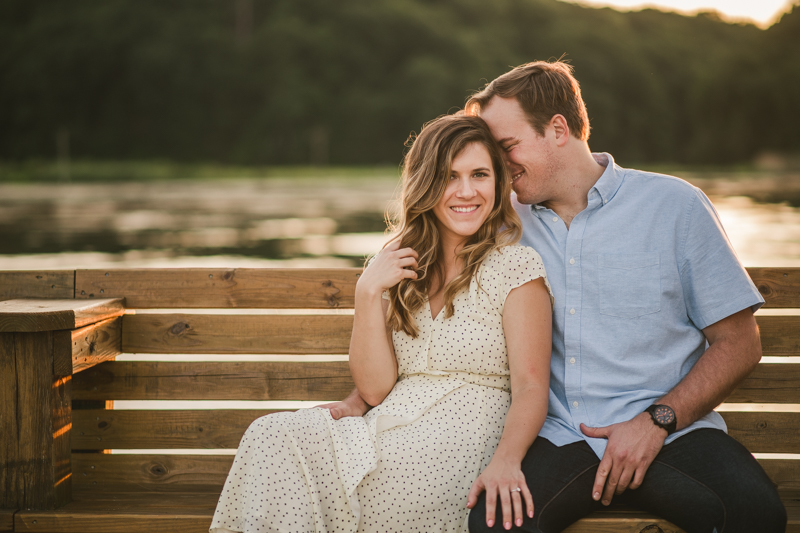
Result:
pixel 392 265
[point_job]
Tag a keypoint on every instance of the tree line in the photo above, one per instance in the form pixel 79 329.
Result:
pixel 345 82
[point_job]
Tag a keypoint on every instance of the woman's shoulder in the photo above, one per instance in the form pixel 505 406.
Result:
pixel 512 256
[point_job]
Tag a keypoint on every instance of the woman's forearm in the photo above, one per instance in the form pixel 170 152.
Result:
pixel 372 361
pixel 524 420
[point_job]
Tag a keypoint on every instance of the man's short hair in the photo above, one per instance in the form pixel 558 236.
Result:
pixel 543 89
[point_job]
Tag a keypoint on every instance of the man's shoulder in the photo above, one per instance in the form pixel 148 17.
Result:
pixel 657 183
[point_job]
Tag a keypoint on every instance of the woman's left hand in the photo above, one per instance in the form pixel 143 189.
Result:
pixel 503 480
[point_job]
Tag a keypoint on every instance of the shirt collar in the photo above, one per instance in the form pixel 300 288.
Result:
pixel 611 179
pixel 606 186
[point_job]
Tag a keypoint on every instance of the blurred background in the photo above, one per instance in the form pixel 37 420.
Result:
pixel 269 132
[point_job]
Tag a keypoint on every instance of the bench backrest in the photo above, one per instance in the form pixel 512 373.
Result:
pixel 302 317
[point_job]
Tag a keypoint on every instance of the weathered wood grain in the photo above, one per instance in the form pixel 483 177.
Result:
pixel 207 473
pixel 151 473
pixel 53 284
pixel 27 315
pixel 780 335
pixel 214 381
pixel 765 432
pixel 223 428
pixel 93 344
pixel 780 287
pixel 7 520
pixel 35 421
pixel 255 288
pixel 145 429
pixel 785 473
pixel 768 383
pixel 218 334
pixel 112 521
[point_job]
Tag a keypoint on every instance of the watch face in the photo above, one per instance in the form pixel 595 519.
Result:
pixel 664 415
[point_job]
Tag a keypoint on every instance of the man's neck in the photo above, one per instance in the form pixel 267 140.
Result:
pixel 578 175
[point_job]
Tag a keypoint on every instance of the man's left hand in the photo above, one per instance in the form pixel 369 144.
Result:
pixel 632 447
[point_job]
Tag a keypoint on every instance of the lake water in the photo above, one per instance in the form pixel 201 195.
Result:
pixel 297 222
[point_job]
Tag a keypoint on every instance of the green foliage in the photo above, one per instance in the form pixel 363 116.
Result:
pixel 254 82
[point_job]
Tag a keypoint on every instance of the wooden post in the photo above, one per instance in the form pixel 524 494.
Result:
pixel 36 366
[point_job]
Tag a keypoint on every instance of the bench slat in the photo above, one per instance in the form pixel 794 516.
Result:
pixel 255 288
pixel 94 344
pixel 223 428
pixel 215 381
pixel 207 473
pixel 98 472
pixel 53 284
pixel 30 315
pixel 242 334
pixel 129 380
pixel 769 383
pixel 780 335
pixel 780 287
pixel 319 334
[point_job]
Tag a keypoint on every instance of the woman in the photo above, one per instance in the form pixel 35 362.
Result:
pixel 450 317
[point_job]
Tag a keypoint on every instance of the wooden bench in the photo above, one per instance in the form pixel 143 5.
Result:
pixel 60 332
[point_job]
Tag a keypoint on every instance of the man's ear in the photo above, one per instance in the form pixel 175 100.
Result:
pixel 560 128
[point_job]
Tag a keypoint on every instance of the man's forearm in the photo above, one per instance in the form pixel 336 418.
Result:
pixel 734 351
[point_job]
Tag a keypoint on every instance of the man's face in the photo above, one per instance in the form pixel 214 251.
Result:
pixel 529 155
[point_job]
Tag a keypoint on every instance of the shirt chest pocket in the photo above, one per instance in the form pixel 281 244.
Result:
pixel 629 284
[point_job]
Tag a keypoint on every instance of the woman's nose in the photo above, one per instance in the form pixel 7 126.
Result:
pixel 465 188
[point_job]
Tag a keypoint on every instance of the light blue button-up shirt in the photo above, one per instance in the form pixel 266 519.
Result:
pixel 636 277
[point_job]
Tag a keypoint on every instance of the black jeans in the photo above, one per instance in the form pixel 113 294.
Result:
pixel 703 482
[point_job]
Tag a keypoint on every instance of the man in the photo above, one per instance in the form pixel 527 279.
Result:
pixel 653 326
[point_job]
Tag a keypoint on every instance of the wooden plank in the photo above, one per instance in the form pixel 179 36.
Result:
pixel 215 381
pixel 255 288
pixel 217 334
pixel 151 429
pixel 53 284
pixel 151 473
pixel 49 315
pixel 93 344
pixel 111 522
pixel 780 287
pixel 223 428
pixel 768 383
pixel 785 473
pixel 35 422
pixel 7 520
pixel 616 522
pixel 207 473
pixel 780 335
pixel 765 432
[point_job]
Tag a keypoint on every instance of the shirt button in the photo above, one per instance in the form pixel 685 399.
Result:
pixel 572 360
pixel 555 219
pixel 572 311
pixel 572 261
pixel 574 404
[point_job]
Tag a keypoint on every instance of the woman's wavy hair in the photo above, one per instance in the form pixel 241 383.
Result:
pixel 426 173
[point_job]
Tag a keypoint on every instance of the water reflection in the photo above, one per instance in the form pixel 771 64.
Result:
pixel 298 222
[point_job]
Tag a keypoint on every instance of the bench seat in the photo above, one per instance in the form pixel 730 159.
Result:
pixel 191 512
pixel 61 379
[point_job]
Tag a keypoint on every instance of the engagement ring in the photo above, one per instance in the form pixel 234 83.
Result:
pixel 516 490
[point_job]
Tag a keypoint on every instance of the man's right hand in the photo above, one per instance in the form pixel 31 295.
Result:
pixel 353 405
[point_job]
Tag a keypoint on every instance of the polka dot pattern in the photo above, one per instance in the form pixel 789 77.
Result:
pixel 408 464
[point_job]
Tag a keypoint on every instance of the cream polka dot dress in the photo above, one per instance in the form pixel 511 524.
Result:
pixel 408 464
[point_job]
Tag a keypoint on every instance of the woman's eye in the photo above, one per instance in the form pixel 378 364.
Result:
pixel 481 174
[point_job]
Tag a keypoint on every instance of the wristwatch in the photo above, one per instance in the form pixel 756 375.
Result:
pixel 664 417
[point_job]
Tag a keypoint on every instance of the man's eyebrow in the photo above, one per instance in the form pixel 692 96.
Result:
pixel 505 139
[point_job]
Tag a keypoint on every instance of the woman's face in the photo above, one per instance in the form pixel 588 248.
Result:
pixel 469 197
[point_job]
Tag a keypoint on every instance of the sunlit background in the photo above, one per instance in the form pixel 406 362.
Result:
pixel 262 133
